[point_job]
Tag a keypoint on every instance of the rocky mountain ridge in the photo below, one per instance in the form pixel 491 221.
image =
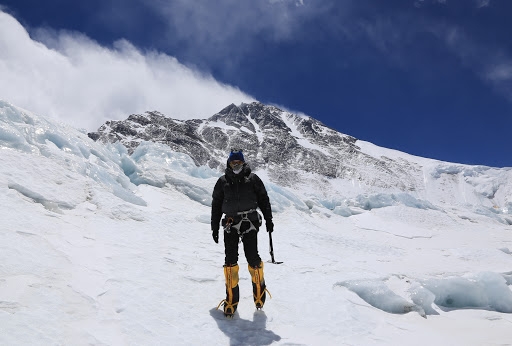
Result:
pixel 300 152
pixel 284 143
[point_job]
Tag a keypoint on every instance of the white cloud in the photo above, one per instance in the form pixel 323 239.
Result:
pixel 500 72
pixel 227 31
pixel 295 2
pixel 489 62
pixel 75 79
pixel 482 3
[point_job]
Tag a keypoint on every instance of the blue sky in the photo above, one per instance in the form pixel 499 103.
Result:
pixel 432 78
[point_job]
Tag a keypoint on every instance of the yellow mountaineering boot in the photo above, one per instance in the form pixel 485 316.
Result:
pixel 232 291
pixel 259 288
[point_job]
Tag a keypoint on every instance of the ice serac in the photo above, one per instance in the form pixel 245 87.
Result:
pixel 284 143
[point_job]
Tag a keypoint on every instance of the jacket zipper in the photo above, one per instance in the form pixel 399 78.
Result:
pixel 237 196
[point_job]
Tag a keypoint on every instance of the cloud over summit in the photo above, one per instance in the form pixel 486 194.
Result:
pixel 74 78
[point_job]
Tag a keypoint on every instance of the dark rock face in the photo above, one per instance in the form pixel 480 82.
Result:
pixel 284 143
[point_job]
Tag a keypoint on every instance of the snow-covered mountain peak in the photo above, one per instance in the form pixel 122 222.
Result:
pixel 300 152
pixel 270 137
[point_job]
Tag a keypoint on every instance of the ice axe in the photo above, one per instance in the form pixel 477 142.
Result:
pixel 272 249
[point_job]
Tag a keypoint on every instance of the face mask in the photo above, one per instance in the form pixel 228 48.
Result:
pixel 237 168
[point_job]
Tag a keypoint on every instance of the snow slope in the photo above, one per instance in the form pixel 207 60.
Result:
pixel 99 247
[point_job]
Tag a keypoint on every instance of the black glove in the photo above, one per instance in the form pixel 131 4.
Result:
pixel 270 226
pixel 215 236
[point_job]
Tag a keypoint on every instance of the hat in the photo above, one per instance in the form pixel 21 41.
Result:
pixel 236 155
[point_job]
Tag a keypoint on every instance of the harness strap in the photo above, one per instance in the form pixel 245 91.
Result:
pixel 245 218
pixel 246 212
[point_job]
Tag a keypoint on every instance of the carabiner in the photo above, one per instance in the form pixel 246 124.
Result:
pixel 229 222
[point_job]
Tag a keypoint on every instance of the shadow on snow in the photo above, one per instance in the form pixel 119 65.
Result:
pixel 245 332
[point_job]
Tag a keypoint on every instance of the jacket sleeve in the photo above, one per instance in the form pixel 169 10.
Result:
pixel 217 199
pixel 263 200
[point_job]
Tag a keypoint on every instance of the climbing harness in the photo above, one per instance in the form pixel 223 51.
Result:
pixel 244 218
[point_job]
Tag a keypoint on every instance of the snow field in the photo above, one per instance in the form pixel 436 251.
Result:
pixel 100 248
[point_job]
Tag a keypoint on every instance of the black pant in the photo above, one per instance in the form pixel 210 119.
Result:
pixel 250 241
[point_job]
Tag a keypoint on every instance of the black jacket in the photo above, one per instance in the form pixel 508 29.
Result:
pixel 239 192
